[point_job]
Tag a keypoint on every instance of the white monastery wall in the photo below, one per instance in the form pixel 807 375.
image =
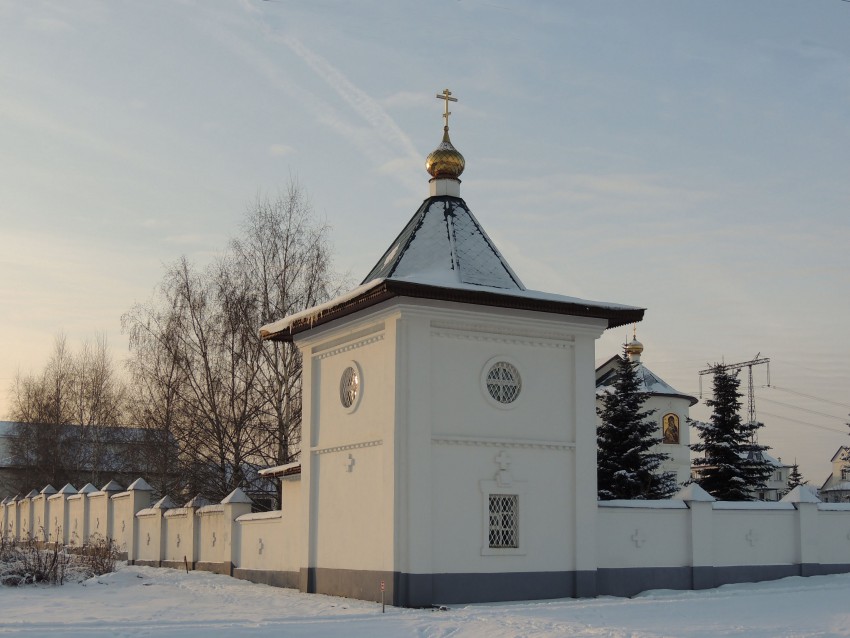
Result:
pixel 78 506
pixel 832 530
pixel 150 539
pixel 752 534
pixel 40 517
pixel 638 544
pixel 460 446
pixel 263 543
pixel 180 535
pixel 648 536
pixel 347 477
pixel 13 524
pixel 214 540
pixel 24 516
pixel 99 516
pixel 58 518
pixel 124 508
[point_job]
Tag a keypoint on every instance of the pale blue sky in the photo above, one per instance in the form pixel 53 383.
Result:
pixel 688 157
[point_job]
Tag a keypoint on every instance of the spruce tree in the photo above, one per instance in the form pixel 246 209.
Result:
pixel 626 466
pixel 732 467
pixel 794 478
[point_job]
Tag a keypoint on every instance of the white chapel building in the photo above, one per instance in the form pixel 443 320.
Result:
pixel 670 409
pixel 449 453
pixel 449 425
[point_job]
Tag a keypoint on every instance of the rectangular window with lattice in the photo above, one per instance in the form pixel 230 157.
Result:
pixel 504 521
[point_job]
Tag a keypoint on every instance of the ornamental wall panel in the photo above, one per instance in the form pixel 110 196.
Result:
pixel 543 409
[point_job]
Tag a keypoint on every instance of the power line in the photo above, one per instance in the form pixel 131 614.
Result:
pixel 811 396
pixel 811 425
pixel 795 407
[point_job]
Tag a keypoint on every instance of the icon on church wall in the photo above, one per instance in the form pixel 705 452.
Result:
pixel 670 428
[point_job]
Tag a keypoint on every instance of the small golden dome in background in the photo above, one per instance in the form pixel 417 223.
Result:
pixel 634 347
pixel 445 162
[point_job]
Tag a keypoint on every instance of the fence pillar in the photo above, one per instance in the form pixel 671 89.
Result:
pixel 4 517
pixel 235 504
pixel 58 522
pixel 699 504
pixel 140 497
pixel 107 526
pixel 41 514
pixel 808 537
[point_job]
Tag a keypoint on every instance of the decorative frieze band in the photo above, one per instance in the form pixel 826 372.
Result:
pixel 502 443
pixel 351 346
pixel 496 335
pixel 344 448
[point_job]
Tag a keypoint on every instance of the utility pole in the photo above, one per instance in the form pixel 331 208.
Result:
pixel 751 396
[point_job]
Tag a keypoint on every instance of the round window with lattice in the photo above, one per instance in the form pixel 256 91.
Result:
pixel 503 382
pixel 349 387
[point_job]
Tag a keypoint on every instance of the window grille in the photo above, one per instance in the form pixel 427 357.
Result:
pixel 349 385
pixel 504 521
pixel 503 382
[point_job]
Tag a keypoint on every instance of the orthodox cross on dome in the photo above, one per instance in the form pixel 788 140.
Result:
pixel 447 96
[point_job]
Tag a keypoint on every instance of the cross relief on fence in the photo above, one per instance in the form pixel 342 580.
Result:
pixel 638 538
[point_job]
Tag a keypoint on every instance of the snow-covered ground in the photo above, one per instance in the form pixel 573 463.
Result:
pixel 141 601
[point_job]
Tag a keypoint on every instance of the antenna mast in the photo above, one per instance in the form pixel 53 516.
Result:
pixel 751 396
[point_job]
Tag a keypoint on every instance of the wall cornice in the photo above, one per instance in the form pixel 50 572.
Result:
pixel 349 446
pixel 492 441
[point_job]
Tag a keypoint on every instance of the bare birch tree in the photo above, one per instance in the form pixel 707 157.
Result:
pixel 231 402
pixel 68 417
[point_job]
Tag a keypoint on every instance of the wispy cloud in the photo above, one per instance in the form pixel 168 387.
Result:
pixel 279 150
pixel 365 123
pixel 359 101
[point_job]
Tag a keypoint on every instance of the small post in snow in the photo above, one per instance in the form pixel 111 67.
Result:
pixel 383 589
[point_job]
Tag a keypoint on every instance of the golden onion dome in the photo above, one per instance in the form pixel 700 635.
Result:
pixel 634 347
pixel 445 161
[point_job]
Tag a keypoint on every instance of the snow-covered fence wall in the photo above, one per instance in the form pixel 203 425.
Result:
pixel 271 547
pixel 219 533
pixel 180 535
pixel 696 542
pixel 689 542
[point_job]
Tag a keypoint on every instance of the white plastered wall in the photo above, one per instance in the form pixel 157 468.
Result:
pixel 451 433
pixel 347 453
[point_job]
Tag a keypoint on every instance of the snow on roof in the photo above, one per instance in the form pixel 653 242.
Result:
pixel 666 504
pixel 198 501
pixel 695 494
pixel 236 496
pixel 801 494
pixel 259 516
pixel 444 237
pixel 752 505
pixel 141 485
pixel 436 280
pixel 649 381
pixel 834 507
pixel 844 486
pixel 444 247
pixel 282 470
